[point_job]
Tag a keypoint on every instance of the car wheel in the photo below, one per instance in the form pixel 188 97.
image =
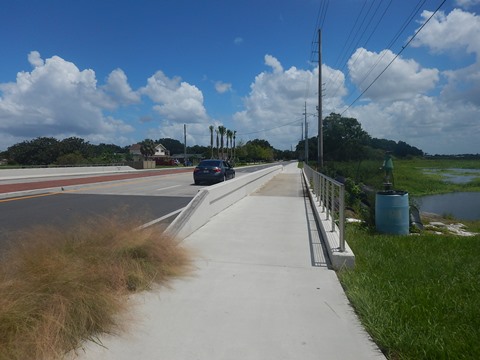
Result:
pixel 197 182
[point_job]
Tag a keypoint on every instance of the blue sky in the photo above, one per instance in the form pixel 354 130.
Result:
pixel 120 71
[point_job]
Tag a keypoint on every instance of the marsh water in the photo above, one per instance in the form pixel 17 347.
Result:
pixel 461 205
pixel 454 175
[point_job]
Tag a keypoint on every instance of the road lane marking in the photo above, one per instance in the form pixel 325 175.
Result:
pixel 168 187
pixel 28 197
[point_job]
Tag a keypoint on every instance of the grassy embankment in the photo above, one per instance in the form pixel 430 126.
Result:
pixel 418 295
pixel 60 287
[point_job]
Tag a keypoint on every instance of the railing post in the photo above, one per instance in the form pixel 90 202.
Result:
pixel 333 205
pixel 322 197
pixel 341 220
pixel 329 193
pixel 327 199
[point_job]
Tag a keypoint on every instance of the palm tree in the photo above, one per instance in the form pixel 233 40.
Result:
pixel 222 130
pixel 211 140
pixel 218 154
pixel 234 136
pixel 229 141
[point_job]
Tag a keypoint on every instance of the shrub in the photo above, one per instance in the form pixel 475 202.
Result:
pixel 60 287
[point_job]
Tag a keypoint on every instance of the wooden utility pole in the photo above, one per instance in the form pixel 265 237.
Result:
pixel 306 134
pixel 302 140
pixel 185 144
pixel 320 120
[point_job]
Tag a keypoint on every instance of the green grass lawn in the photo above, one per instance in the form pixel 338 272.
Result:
pixel 418 296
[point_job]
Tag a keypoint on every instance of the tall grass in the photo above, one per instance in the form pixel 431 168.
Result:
pixel 408 174
pixel 60 287
pixel 417 296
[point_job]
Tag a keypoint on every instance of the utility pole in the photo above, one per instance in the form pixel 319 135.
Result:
pixel 302 140
pixel 185 144
pixel 306 134
pixel 320 121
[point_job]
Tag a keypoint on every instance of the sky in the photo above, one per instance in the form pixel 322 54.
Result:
pixel 121 71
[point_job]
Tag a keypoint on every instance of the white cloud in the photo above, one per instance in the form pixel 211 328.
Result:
pixel 455 34
pixel 197 134
pixel 273 63
pixel 238 40
pixel 176 101
pixel 55 99
pixel 467 3
pixel 402 107
pixel 222 87
pixel 424 122
pixel 436 111
pixel 404 79
pixel 117 85
pixel 278 98
pixel 459 30
pixel 34 59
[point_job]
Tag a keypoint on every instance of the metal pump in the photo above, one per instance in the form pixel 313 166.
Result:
pixel 388 168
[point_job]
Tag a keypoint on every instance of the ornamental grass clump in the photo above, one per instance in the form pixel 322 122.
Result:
pixel 60 287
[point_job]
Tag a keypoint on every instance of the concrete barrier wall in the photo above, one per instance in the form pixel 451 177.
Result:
pixel 213 199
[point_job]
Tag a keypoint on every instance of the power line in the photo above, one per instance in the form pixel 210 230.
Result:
pixel 396 56
pixel 355 46
pixel 322 14
pixel 270 129
pixel 394 40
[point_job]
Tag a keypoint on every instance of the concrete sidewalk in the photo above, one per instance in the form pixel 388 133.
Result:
pixel 261 290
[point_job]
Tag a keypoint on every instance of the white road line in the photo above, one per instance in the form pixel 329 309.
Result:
pixel 159 219
pixel 168 187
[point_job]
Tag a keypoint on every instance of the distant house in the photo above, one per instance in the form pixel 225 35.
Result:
pixel 160 152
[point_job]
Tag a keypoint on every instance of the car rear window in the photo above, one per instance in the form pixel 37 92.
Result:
pixel 209 163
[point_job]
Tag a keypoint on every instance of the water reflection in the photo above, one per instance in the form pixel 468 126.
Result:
pixel 461 205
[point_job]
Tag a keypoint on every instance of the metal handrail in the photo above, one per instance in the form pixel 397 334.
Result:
pixel 330 195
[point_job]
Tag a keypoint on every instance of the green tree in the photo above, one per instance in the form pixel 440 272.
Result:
pixel 39 151
pixel 147 148
pixel 402 149
pixel 77 145
pixel 200 151
pixel 73 158
pixel 258 150
pixel 343 138
pixel 261 143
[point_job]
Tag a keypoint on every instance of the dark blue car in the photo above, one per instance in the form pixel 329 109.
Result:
pixel 212 171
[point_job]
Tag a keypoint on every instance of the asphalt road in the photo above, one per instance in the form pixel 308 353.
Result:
pixel 153 199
